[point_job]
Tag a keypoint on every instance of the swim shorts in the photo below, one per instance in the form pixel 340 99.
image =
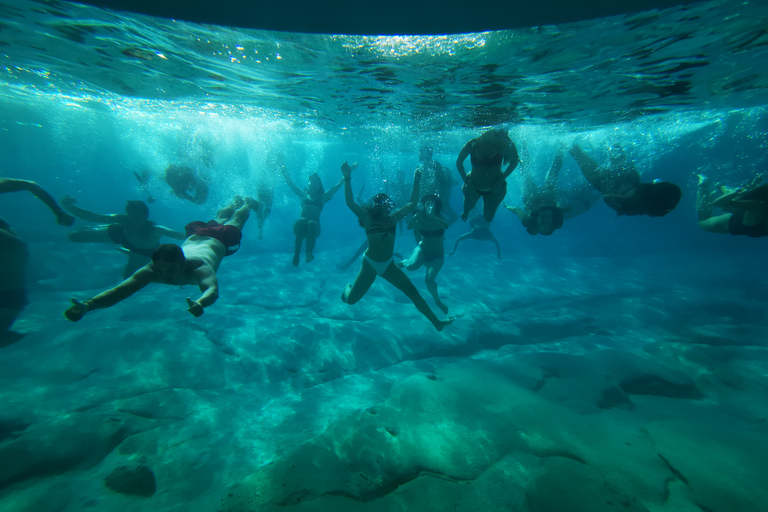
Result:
pixel 228 235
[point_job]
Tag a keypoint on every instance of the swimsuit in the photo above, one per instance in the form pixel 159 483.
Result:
pixel 379 266
pixel 437 232
pixel 116 233
pixel 313 202
pixel 378 228
pixel 486 162
pixel 736 227
pixel 227 234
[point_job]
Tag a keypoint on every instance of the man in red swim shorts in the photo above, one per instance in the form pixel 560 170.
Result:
pixel 195 262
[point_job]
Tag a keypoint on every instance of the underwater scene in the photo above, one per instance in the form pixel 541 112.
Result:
pixel 521 270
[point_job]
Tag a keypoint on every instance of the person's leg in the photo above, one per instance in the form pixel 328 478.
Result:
pixel 398 278
pixel 588 167
pixel 462 237
pixel 415 261
pixel 239 217
pixel 355 291
pixel 704 208
pixel 433 268
pixel 471 197
pixel 300 230
pixel 98 235
pixel 313 231
pixel 492 201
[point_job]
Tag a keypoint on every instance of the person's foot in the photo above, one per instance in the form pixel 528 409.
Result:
pixel 309 257
pixel 253 204
pixel 441 324
pixel 464 216
pixel 238 202
pixel 442 306
pixel 296 260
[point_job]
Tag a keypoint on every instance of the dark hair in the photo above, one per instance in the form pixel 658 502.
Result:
pixel 137 207
pixel 435 199
pixel 557 217
pixel 661 198
pixel 171 253
pixel 381 205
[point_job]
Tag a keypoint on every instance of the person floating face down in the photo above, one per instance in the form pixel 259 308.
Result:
pixel 621 187
pixel 486 180
pixel 186 184
pixel 195 262
pixel 380 223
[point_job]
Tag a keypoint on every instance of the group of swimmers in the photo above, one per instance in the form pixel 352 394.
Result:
pixel 493 156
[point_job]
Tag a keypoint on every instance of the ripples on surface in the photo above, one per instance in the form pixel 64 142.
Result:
pixel 699 57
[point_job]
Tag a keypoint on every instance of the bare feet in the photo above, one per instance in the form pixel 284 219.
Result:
pixel 442 306
pixel 441 324
pixel 296 260
pixel 237 202
pixel 253 204
pixel 310 257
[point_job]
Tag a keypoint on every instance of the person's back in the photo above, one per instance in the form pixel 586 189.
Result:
pixel 204 248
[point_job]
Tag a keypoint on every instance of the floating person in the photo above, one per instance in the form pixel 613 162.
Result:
pixel 380 224
pixel 195 262
pixel 14 256
pixel 184 180
pixel 143 178
pixel 480 230
pixel 436 179
pixel 134 233
pixel 430 252
pixel 747 208
pixel 621 187
pixel 487 154
pixel 313 198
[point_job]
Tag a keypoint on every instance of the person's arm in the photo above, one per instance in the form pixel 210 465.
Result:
pixel 463 154
pixel 109 298
pixel 349 198
pixel 550 182
pixel 524 217
pixel 413 201
pixel 12 185
pixel 510 156
pixel 81 213
pixel 288 181
pixel 496 243
pixel 441 223
pixel 209 286
pixel 329 193
pixel 170 233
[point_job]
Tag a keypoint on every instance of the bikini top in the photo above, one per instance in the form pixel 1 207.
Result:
pixel 313 202
pixel 487 162
pixel 437 232
pixel 378 228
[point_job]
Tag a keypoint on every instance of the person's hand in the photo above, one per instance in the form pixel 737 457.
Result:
pixel 346 169
pixel 77 310
pixel 68 201
pixel 194 307
pixel 417 173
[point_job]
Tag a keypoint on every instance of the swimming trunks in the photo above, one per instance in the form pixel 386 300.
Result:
pixel 14 299
pixel 228 235
pixel 736 227
pixel 116 233
pixel 379 266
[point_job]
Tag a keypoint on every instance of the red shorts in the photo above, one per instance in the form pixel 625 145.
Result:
pixel 230 236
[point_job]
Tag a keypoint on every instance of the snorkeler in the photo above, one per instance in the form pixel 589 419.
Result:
pixel 134 233
pixel 487 154
pixel 195 262
pixel 481 230
pixel 747 207
pixel 380 224
pixel 313 198
pixel 621 187
pixel 430 251
pixel 14 255
pixel 184 180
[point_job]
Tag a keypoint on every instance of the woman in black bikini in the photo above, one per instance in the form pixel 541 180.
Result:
pixel 380 224
pixel 313 198
pixel 487 153
pixel 133 233
pixel 429 226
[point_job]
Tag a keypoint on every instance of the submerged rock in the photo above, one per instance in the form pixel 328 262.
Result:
pixel 133 481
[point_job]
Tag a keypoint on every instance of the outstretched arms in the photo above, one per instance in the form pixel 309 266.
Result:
pixel 413 201
pixel 12 185
pixel 81 213
pixel 109 298
pixel 349 197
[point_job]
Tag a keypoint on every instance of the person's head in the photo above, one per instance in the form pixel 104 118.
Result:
pixel 137 210
pixel 432 204
pixel 381 206
pixel 425 154
pixel 616 155
pixel 315 185
pixel 660 198
pixel 547 220
pixel 489 143
pixel 168 262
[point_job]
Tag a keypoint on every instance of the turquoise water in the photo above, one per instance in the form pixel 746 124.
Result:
pixel 619 364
